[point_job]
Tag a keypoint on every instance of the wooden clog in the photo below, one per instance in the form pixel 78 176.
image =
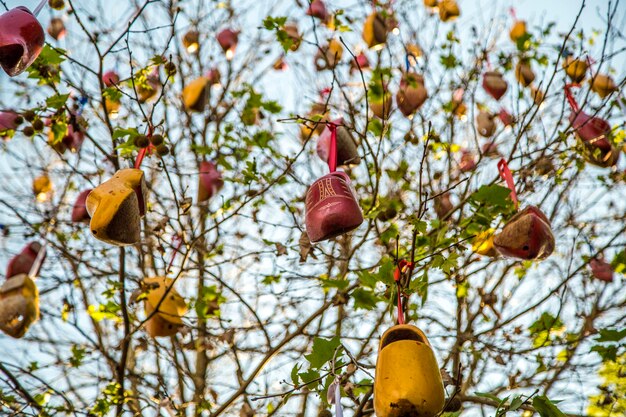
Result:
pixel 116 207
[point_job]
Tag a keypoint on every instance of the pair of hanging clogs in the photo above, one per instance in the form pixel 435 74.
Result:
pixel 19 297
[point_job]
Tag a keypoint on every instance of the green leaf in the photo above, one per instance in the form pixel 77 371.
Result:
pixel 57 101
pixel 611 335
pixel 546 408
pixel 488 395
pixel 59 130
pixel 367 279
pixel 120 133
pixel 364 299
pixel 51 56
pixel 516 403
pixel 323 351
pixel 78 354
pixel 495 195
pixel 340 284
pixel 310 377
pixel 449 61
pixel 294 374
pixel 608 353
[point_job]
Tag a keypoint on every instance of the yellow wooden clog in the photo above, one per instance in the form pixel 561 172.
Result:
pixel 195 94
pixel 19 305
pixel 575 68
pixel 517 30
pixel 408 381
pixel 602 85
pixel 375 31
pixel 448 10
pixel 42 188
pixel 116 207
pixel 170 307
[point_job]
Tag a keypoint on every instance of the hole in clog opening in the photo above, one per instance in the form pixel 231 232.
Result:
pixel 402 334
pixel 11 55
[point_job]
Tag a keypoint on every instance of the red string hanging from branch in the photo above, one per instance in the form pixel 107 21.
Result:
pixel 140 156
pixel 505 174
pixel 332 152
pixel 178 239
pixel 570 97
pixel 397 274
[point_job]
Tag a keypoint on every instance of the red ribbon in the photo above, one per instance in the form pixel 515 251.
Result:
pixel 332 152
pixel 139 159
pixel 570 98
pixel 400 269
pixel 505 174
pixel 176 249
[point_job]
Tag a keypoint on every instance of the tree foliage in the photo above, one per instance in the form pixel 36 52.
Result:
pixel 272 320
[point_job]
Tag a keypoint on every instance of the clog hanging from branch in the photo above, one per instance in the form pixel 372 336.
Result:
pixel 110 78
pixel 505 117
pixel 593 134
pixel 21 39
pixel 116 207
pixel 23 262
pixel 228 40
pixel 210 181
pixel 518 30
pixel 56 28
pixel 494 84
pixel 601 269
pixel 317 9
pixel 79 211
pixel 164 307
pixel 448 10
pixel 524 72
pixel 318 116
pixel 331 205
pixel 468 161
pixel 375 31
pixel 19 296
pixel 196 94
pixel 528 234
pixel 9 121
pixel 575 68
pixel 19 305
pixel 347 153
pixel 602 85
pixel 485 124
pixel 42 188
pixel 191 41
pixel 412 93
pixel 408 381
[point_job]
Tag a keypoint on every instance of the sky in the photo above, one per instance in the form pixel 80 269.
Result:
pixel 561 11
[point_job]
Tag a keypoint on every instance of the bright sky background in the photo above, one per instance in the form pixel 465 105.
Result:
pixel 536 12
